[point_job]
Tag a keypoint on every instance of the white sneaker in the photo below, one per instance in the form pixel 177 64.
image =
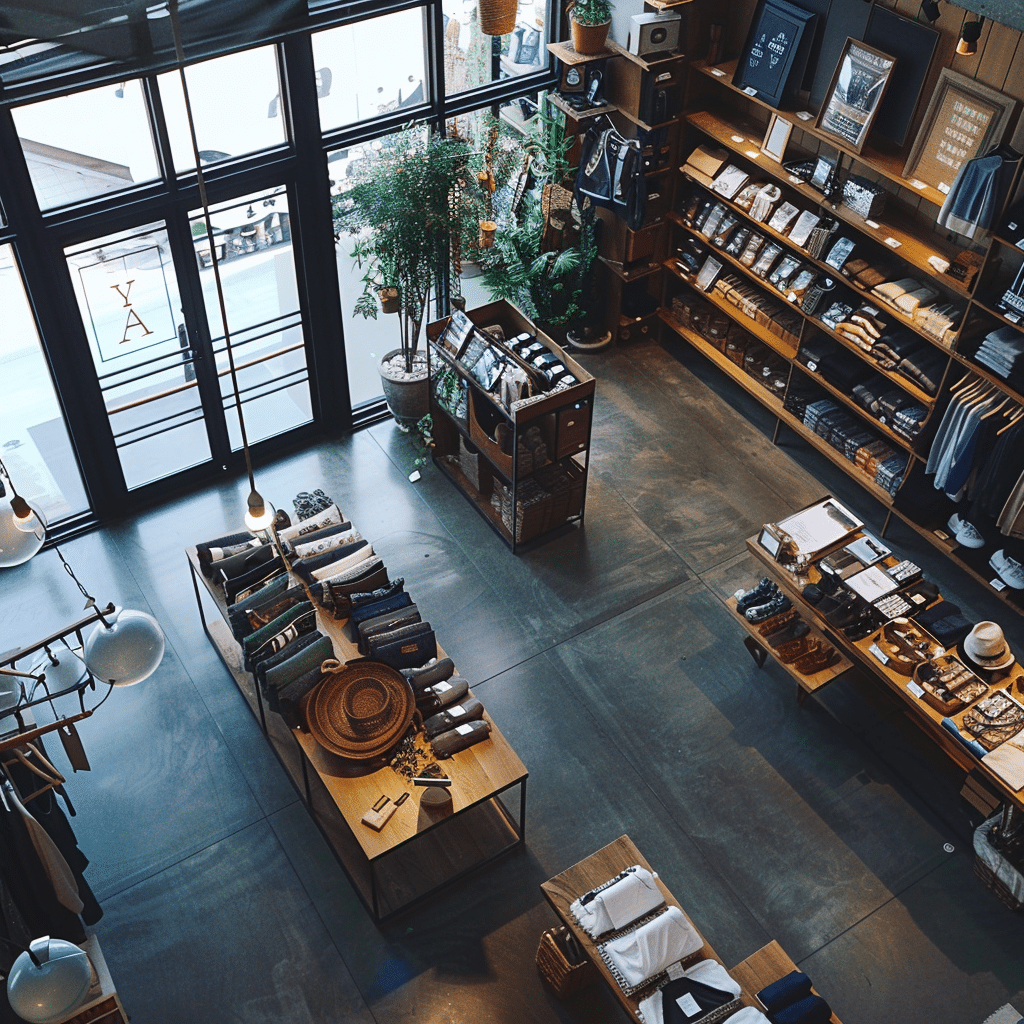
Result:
pixel 966 533
pixel 1009 570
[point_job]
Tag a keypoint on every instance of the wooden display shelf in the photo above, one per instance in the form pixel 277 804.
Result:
pixel 643 62
pixel 761 969
pixel 886 431
pixel 567 54
pixel 928 719
pixel 775 342
pixel 911 248
pixel 890 166
pixel 770 401
pixel 565 888
pixel 990 308
pixel 578 115
pixel 417 852
pixel 805 684
pixel 630 273
pixel 986 374
pixel 898 379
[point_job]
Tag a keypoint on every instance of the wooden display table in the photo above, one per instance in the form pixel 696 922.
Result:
pixel 418 851
pixel 753 974
pixel 767 965
pixel 927 718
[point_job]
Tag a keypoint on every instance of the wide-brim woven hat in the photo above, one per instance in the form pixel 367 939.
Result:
pixel 361 710
pixel 985 647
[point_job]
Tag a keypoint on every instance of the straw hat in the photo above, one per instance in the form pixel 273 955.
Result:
pixel 361 710
pixel 985 647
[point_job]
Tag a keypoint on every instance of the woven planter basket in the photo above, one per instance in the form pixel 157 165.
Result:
pixel 497 17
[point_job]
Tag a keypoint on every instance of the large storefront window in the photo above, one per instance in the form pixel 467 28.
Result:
pixel 257 272
pixel 34 443
pixel 370 68
pixel 472 59
pixel 236 107
pixel 85 145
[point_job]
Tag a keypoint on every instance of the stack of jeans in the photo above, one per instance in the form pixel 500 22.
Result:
pixel 890 473
pixel 1002 352
pixel 908 421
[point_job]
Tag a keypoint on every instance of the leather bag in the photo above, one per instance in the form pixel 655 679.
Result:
pixel 611 175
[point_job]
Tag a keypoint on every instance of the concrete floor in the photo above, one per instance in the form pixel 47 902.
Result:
pixel 608 660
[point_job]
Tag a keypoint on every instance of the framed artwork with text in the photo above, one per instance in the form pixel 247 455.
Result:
pixel 855 93
pixel 772 49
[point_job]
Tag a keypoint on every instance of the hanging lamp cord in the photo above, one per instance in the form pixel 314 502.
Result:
pixel 179 53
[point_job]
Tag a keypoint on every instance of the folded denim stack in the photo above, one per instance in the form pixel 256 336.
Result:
pixel 1002 351
pixel 896 344
pixel 908 421
pixel 890 473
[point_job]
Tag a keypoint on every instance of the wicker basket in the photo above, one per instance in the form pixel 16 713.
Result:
pixel 497 17
pixel 563 975
pixel 985 873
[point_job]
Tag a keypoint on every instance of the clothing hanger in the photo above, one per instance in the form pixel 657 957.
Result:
pixel 51 777
pixel 1014 419
pixel 995 409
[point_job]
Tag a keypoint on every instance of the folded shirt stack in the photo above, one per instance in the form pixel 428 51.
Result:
pixel 908 421
pixel 924 368
pixel 1002 351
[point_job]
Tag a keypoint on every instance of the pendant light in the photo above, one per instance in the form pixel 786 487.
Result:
pixel 125 646
pixel 259 513
pixel 22 528
pixel 969 36
pixel 48 980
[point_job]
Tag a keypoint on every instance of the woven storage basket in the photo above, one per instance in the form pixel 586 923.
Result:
pixel 986 874
pixel 497 17
pixel 564 976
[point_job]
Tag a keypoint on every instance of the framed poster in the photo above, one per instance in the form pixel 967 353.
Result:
pixel 771 49
pixel 964 119
pixel 854 95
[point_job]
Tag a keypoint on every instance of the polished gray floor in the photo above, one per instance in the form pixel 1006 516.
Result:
pixel 607 658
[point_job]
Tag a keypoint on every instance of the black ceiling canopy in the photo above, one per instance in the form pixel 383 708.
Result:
pixel 44 39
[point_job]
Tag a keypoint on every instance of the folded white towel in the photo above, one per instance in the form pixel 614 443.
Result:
pixel 620 904
pixel 649 949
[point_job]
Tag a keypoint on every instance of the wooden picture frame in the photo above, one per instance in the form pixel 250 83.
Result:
pixel 854 94
pixel 776 138
pixel 947 137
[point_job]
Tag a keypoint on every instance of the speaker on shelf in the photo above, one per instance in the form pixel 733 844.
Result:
pixel 654 33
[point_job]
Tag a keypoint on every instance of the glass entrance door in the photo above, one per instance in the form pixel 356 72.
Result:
pixel 158 345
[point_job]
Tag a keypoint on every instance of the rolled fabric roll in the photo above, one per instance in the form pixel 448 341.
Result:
pixel 809 1010
pixel 329 517
pixel 211 551
pixel 468 711
pixel 459 738
pixel 628 898
pixel 786 990
pixel 435 671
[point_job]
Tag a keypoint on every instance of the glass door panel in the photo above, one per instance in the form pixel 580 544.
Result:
pixel 257 271
pixel 34 443
pixel 127 293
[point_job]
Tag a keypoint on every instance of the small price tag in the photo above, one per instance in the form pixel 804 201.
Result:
pixel 791 296
pixel 918 184
pixel 892 243
pixel 943 188
pixel 750 90
pixel 753 154
pixel 688 1005
pixel 879 654
pixel 804 115
pixel 997 584
pixel 464 730
pixel 812 366
pixel 941 534
pixel 915 689
pixel 718 72
pixel 441 687
pixel 873 224
pixel 457 712
pixel 738 138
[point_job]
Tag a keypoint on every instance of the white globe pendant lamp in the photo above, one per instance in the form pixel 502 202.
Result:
pixel 259 513
pixel 124 647
pixel 22 531
pixel 48 981
pixel 62 668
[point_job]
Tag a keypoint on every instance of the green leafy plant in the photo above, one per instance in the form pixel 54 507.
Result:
pixel 423 440
pixel 401 209
pixel 592 12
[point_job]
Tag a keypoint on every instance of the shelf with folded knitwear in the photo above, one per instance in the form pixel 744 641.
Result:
pixel 927 719
pixel 851 403
pixel 889 165
pixel 767 965
pixel 805 683
pixel 911 248
pixel 807 192
pixel 415 854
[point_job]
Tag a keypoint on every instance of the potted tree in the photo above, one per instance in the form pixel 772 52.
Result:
pixel 589 21
pixel 402 207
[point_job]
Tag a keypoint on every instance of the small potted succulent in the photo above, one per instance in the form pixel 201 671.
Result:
pixel 589 21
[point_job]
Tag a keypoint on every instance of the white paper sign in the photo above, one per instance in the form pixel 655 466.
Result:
pixel 750 90
pixel 915 689
pixel 457 712
pixel 804 115
pixel 738 138
pixel 464 730
pixel 892 243
pixel 718 71
pixel 688 1005
pixel 918 184
pixel 879 654
pixel 873 224
pixel 997 584
pixel 943 188
pixel 753 154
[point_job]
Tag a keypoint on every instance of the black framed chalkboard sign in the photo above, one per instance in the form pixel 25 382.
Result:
pixel 771 48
